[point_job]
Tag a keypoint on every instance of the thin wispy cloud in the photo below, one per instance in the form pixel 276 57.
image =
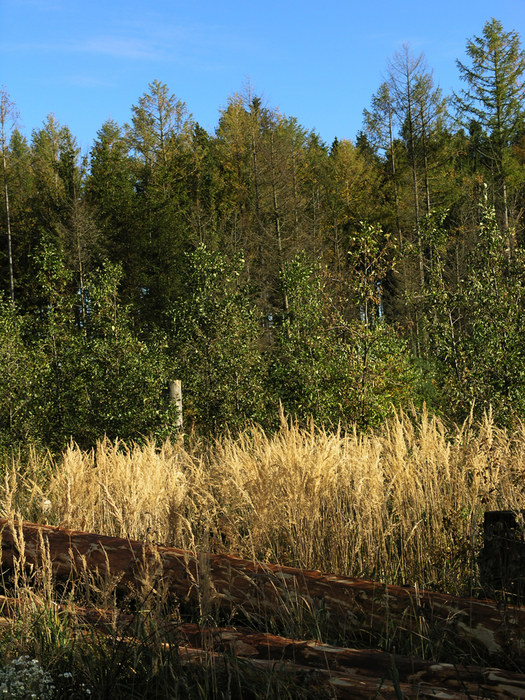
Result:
pixel 202 36
pixel 198 44
pixel 41 5
pixel 119 47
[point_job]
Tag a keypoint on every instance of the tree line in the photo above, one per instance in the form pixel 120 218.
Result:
pixel 267 269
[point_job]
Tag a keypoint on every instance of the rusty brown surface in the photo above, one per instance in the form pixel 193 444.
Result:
pixel 361 665
pixel 342 672
pixel 353 605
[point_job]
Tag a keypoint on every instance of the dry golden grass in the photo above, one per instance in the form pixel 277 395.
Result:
pixel 403 505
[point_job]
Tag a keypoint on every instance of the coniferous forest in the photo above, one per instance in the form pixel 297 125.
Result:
pixel 267 270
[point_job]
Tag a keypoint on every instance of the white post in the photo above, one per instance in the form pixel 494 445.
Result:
pixel 175 388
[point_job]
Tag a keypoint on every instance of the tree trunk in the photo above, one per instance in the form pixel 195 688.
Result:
pixel 8 227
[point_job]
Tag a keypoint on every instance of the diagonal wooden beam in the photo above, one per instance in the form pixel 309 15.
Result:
pixel 350 605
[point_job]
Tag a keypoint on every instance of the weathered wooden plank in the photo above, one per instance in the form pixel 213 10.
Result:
pixel 347 673
pixel 352 605
pixel 362 664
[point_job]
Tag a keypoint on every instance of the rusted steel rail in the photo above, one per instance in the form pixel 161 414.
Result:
pixel 353 605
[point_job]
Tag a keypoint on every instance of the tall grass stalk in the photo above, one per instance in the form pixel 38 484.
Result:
pixel 401 505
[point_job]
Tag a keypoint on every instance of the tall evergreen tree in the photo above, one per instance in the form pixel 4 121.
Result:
pixel 110 191
pixel 494 98
pixel 160 137
pixel 55 186
pixel 203 186
pixel 21 209
pixel 381 125
pixel 419 107
pixel 265 204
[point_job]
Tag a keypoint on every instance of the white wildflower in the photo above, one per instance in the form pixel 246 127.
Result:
pixel 24 679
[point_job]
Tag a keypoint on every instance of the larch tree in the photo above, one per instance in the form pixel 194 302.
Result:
pixel 159 138
pixel 380 123
pixel 158 119
pixel 404 71
pixel 419 108
pixel 494 99
pixel 245 153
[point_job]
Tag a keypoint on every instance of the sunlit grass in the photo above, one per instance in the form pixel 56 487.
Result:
pixel 401 505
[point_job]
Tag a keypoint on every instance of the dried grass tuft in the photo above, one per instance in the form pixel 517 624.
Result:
pixel 402 505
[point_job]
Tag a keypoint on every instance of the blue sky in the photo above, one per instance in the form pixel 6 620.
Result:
pixel 320 62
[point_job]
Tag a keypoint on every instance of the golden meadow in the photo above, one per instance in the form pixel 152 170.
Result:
pixel 401 505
